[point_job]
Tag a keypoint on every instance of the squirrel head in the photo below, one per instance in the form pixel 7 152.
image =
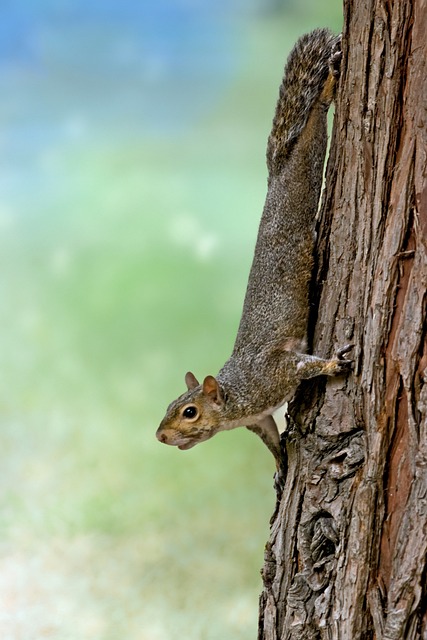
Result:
pixel 195 416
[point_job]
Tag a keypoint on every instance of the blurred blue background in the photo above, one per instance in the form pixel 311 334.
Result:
pixel 132 179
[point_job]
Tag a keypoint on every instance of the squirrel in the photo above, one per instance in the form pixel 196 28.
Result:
pixel 268 360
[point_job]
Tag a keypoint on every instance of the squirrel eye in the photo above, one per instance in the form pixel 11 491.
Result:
pixel 190 412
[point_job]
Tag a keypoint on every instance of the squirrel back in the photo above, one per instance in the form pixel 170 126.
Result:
pixel 268 359
pixel 276 303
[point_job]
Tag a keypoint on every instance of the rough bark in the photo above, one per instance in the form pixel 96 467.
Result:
pixel 347 554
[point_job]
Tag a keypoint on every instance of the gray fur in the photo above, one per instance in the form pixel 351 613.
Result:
pixel 267 361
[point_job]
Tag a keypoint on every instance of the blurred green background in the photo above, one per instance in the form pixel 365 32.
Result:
pixel 132 180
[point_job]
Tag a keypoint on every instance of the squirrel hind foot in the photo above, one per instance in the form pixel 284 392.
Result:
pixel 335 63
pixel 330 88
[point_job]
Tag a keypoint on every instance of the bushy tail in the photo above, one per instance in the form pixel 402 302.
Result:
pixel 314 57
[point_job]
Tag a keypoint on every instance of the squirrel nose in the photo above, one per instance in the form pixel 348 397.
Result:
pixel 162 437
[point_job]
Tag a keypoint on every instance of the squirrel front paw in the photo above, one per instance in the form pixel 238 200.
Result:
pixel 279 482
pixel 340 364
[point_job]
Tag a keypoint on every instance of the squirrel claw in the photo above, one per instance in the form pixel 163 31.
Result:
pixel 344 350
pixel 342 364
pixel 335 59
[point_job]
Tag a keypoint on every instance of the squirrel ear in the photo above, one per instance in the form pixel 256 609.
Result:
pixel 212 389
pixel 191 381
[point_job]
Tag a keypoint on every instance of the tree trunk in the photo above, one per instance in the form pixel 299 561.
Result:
pixel 347 554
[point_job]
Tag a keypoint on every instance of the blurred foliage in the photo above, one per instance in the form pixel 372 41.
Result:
pixel 132 180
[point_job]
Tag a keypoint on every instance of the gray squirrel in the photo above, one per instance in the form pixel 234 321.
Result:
pixel 268 360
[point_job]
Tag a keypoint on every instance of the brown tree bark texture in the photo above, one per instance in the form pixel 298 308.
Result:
pixel 346 559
